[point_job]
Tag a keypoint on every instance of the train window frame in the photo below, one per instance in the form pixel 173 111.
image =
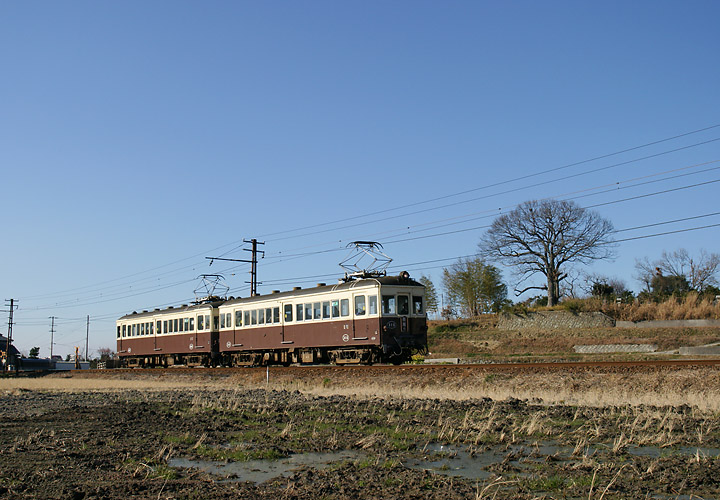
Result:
pixel 326 309
pixel 403 305
pixel 201 322
pixel 123 330
pixel 253 317
pixel 418 299
pixel 276 314
pixel 222 320
pixel 207 322
pixel 308 311
pixel 228 320
pixel 268 315
pixel 389 304
pixel 360 303
pixel 344 308
pixel 175 325
pixel 335 308
pixel 180 325
pixel 246 318
pixel 142 329
pixel 158 327
pixel 238 318
pixel 192 324
pixel 299 309
pixel 287 313
pixel 317 310
pixel 261 316
pixel 372 305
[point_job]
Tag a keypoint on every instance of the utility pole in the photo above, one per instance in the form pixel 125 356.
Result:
pixel 87 337
pixel 12 307
pixel 52 335
pixel 253 263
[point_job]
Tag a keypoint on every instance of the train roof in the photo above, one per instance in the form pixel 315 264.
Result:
pixel 175 309
pixel 402 280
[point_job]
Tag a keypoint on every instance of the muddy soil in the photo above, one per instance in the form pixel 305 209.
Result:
pixel 123 444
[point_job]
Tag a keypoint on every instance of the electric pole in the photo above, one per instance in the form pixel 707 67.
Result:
pixel 253 263
pixel 12 305
pixel 52 335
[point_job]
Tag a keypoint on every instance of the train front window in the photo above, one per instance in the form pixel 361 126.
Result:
pixel 359 305
pixel 403 305
pixel 388 304
pixel 372 304
pixel 417 305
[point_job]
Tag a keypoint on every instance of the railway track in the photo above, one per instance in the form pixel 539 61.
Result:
pixel 599 366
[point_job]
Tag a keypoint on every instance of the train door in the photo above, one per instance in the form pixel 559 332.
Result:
pixel 361 325
pixel 403 311
pixel 287 317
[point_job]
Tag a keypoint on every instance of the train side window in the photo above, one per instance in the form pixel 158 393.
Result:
pixel 246 317
pixel 335 306
pixel 133 331
pixel 326 309
pixel 299 312
pixel 187 324
pixel 417 304
pixel 238 319
pixel 345 307
pixel 261 316
pixel 192 324
pixel 388 304
pixel 276 315
pixel 372 304
pixel 152 328
pixel 158 327
pixel 176 327
pixel 201 324
pixel 288 312
pixel 180 322
pixel 308 312
pixel 359 305
pixel 142 329
pixel 403 305
pixel 316 310
pixel 253 317
pixel 268 315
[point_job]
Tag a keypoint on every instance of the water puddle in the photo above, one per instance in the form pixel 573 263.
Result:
pixel 441 459
pixel 259 471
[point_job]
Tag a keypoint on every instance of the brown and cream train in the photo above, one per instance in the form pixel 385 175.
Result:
pixel 365 320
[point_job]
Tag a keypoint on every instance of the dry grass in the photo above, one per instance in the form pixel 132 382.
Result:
pixel 692 306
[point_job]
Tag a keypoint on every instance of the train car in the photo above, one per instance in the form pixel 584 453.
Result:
pixel 185 335
pixel 368 320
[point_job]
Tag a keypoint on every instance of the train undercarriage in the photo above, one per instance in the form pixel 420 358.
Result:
pixel 285 357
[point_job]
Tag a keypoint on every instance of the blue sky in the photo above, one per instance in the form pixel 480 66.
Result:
pixel 136 138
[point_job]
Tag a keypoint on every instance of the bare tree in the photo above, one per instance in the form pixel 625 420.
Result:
pixel 543 236
pixel 699 272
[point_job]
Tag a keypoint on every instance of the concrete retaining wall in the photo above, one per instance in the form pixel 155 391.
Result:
pixel 553 320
